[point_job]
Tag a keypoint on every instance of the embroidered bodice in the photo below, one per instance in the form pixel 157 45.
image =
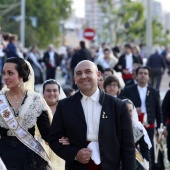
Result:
pixel 32 107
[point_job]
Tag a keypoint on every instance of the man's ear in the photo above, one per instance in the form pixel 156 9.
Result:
pixel 99 74
pixel 74 79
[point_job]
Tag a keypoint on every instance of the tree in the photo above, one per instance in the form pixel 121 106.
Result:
pixel 122 19
pixel 127 23
pixel 49 14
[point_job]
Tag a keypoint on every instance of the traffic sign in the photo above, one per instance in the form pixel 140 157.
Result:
pixel 89 33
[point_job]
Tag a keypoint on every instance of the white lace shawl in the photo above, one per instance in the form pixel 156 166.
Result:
pixel 32 108
pixel 139 129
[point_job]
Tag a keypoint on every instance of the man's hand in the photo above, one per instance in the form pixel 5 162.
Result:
pixel 83 155
pixel 64 141
pixel 125 71
pixel 138 109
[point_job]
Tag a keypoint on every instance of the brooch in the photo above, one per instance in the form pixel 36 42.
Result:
pixel 104 116
pixel 6 114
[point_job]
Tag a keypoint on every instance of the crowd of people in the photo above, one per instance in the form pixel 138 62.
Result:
pixel 110 116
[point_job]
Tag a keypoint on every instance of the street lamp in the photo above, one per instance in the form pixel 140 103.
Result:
pixel 22 23
pixel 149 27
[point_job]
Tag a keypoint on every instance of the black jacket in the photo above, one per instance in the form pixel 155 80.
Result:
pixel 156 61
pixel 121 65
pixel 130 83
pixel 46 59
pixel 166 107
pixel 115 136
pixel 82 54
pixel 153 107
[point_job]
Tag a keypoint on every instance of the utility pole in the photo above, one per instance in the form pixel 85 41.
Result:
pixel 149 27
pixel 22 23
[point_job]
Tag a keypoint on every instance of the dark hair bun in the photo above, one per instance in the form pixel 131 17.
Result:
pixel 25 72
pixel 21 67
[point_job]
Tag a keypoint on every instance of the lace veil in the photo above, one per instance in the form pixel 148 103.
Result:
pixel 138 124
pixel 61 95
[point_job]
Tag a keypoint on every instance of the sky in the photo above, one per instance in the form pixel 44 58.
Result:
pixel 165 5
pixel 79 6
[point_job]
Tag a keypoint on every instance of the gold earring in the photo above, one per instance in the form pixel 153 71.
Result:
pixel 20 83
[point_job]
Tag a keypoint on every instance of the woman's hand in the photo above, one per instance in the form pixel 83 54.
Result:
pixel 64 141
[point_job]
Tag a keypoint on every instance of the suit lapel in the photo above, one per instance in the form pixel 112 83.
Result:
pixel 137 92
pixel 48 56
pixel 147 94
pixel 103 114
pixel 78 107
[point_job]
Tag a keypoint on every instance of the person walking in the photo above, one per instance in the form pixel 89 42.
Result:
pixel 51 60
pixel 147 102
pixel 157 66
pixel 97 125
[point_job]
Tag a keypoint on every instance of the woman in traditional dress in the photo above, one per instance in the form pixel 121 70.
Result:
pixel 166 116
pixel 141 137
pixel 21 110
pixel 34 58
pixel 52 93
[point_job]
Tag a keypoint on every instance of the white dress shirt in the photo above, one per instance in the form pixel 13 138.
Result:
pixel 142 93
pixel 92 112
pixel 129 62
pixel 2 166
pixel 52 61
pixel 135 81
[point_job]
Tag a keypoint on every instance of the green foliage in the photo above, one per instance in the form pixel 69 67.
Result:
pixel 128 24
pixel 133 15
pixel 122 22
pixel 49 14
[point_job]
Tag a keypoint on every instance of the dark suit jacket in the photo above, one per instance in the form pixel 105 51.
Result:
pixel 11 51
pixel 166 107
pixel 121 65
pixel 130 83
pixel 82 54
pixel 115 133
pixel 153 107
pixel 46 59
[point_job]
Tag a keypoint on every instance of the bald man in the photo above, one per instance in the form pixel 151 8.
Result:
pixel 92 117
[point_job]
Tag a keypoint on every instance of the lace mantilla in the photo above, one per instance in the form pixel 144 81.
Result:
pixel 29 111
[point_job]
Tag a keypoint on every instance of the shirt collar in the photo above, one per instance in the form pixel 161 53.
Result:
pixel 94 96
pixel 129 55
pixel 142 88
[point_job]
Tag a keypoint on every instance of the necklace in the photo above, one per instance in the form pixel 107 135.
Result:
pixel 17 101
